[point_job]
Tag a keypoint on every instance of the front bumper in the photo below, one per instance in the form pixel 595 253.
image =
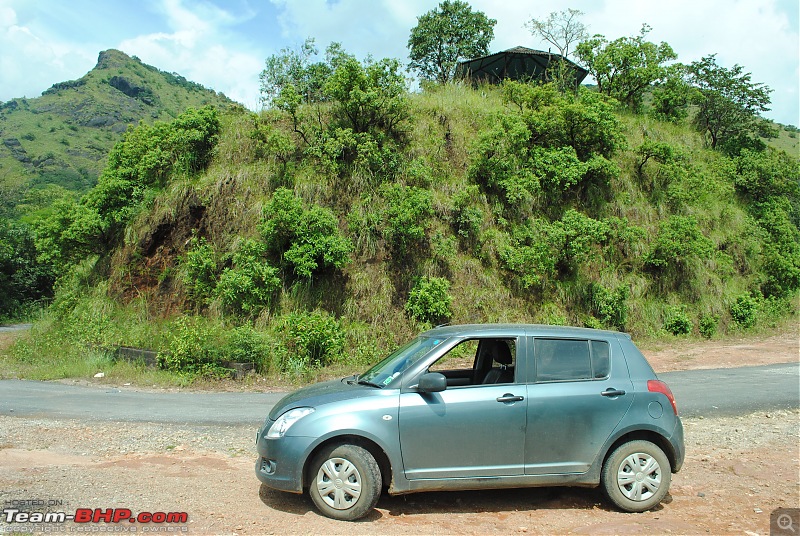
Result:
pixel 280 461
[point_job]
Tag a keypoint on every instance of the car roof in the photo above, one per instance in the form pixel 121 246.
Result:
pixel 515 330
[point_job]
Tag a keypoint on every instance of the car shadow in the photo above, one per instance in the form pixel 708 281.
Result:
pixel 291 503
pixel 499 501
pixel 461 502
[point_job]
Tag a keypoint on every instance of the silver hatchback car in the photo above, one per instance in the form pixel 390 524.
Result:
pixel 480 406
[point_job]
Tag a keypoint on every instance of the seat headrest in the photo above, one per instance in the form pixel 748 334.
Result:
pixel 500 352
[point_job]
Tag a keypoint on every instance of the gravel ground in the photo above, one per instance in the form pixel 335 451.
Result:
pixel 738 469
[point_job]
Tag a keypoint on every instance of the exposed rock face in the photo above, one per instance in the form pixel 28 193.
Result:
pixel 135 92
pixel 102 121
pixel 17 150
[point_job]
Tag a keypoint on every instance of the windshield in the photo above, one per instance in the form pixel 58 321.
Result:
pixel 387 370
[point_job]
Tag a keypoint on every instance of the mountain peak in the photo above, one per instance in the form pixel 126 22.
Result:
pixel 112 58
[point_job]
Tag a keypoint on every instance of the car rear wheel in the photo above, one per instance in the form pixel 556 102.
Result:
pixel 636 476
pixel 345 482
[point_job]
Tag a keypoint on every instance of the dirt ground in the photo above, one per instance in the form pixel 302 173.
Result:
pixel 782 347
pixel 737 471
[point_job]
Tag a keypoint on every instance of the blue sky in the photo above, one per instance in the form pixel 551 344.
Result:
pixel 223 43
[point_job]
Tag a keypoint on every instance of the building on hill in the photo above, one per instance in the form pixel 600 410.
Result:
pixel 518 63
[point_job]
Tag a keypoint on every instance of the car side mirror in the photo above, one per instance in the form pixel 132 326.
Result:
pixel 432 382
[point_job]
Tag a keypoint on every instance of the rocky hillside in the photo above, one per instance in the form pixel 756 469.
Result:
pixel 58 143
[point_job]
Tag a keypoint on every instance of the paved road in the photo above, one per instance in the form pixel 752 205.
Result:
pixel 735 391
pixel 15 327
pixel 698 392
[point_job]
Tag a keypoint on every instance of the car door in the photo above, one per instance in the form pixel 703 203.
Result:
pixel 467 431
pixel 581 391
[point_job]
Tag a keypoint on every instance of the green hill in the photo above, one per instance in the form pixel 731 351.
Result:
pixel 58 143
pixel 324 231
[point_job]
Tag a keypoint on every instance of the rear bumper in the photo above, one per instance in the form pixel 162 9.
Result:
pixel 678 445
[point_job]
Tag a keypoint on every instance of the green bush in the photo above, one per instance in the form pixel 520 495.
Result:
pixel 467 217
pixel 251 283
pixel 677 321
pixel 678 242
pixel 585 122
pixel 429 300
pixel 708 325
pixel 342 150
pixel 190 348
pixel 407 217
pixel 200 270
pixel 780 255
pixel 310 339
pixel 581 234
pixel 609 305
pixel 671 97
pixel 744 311
pixel 146 158
pixel 507 163
pixel 23 278
pixel 306 239
pixel 370 97
pixel 246 345
pixel 761 175
pixel 531 253
pixel 554 145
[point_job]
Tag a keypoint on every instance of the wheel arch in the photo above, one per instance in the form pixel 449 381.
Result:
pixel 377 452
pixel 647 435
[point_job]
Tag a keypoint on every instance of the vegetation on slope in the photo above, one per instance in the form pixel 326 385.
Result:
pixel 350 214
pixel 305 243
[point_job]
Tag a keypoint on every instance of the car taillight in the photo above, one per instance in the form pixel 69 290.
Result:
pixel 657 386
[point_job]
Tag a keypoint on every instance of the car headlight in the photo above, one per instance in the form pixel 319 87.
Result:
pixel 286 420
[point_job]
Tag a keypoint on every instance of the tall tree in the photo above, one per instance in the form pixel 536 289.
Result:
pixel 445 35
pixel 293 70
pixel 728 102
pixel 288 67
pixel 561 29
pixel 626 67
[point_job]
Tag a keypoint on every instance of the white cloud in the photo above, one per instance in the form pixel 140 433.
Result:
pixel 25 46
pixel 377 27
pixel 8 17
pixel 202 49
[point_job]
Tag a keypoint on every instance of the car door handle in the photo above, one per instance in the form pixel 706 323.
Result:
pixel 508 397
pixel 613 392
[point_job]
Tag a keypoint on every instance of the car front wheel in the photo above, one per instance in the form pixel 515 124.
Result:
pixel 345 482
pixel 636 476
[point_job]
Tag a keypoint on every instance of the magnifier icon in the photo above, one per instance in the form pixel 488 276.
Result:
pixel 785 523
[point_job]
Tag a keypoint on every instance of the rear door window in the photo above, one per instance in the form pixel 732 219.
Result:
pixel 570 359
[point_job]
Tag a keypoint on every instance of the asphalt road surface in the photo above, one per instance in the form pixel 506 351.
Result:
pixel 698 392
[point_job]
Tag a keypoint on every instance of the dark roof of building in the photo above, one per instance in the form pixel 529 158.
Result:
pixel 515 63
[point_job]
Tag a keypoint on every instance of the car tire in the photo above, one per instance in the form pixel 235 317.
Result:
pixel 344 482
pixel 637 475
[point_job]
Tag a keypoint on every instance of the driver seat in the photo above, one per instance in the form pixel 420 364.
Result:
pixel 501 355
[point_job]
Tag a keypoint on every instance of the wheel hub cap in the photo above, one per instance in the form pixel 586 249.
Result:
pixel 639 476
pixel 339 483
